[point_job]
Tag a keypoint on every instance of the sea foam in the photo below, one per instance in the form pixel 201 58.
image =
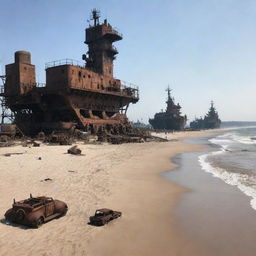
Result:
pixel 231 178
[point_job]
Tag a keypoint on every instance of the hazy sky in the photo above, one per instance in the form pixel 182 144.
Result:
pixel 204 49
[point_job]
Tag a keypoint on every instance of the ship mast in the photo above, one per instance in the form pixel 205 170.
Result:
pixel 170 100
pixel 95 16
pixel 169 93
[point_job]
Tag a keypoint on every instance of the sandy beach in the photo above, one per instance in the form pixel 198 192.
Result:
pixel 122 177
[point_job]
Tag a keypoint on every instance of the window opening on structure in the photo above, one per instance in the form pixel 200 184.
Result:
pixel 85 113
pixel 110 114
pixel 97 113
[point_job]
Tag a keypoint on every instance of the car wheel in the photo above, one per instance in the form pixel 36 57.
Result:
pixel 20 215
pixel 39 222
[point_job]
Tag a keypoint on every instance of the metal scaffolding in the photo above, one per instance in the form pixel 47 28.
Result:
pixel 5 112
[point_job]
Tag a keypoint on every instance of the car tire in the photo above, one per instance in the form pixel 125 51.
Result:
pixel 20 215
pixel 39 222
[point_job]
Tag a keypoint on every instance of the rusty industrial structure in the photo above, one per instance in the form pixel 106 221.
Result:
pixel 171 119
pixel 83 96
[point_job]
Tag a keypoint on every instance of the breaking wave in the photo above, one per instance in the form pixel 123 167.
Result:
pixel 234 179
pixel 234 162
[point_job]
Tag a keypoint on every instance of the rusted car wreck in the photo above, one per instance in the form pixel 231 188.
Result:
pixel 35 211
pixel 103 216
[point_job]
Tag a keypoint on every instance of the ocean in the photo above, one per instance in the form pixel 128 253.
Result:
pixel 235 160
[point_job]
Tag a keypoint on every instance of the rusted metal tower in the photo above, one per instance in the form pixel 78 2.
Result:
pixel 76 95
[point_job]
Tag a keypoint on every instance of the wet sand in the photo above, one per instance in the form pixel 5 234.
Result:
pixel 122 177
pixel 213 213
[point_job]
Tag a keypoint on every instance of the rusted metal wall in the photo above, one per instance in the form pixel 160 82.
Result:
pixel 77 77
pixel 20 76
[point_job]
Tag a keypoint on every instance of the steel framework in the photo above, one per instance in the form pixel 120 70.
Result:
pixel 5 111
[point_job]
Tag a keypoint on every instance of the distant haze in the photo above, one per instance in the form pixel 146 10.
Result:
pixel 237 124
pixel 204 49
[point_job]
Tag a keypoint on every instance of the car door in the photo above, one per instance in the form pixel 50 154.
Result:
pixel 49 207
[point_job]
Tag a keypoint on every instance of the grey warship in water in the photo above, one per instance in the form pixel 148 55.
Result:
pixel 171 119
pixel 210 121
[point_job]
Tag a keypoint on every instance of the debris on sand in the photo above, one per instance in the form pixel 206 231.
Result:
pixel 59 138
pixel 5 141
pixel 36 144
pixel 74 150
pixel 47 179
pixel 9 154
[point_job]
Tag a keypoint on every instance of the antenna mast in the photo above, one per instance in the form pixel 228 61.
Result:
pixel 169 92
pixel 95 16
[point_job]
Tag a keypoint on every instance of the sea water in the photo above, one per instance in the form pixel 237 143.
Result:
pixel 235 160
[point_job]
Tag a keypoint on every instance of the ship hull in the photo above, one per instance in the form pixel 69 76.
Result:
pixel 46 111
pixel 166 123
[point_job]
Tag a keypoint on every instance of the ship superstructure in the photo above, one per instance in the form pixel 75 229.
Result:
pixel 210 121
pixel 76 95
pixel 171 119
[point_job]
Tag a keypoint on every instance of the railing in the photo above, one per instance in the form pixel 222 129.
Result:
pixel 64 62
pixel 130 89
pixel 115 30
pixel 126 89
pixel 109 29
pixel 128 85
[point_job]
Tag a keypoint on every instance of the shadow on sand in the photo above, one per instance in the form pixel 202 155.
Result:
pixel 8 223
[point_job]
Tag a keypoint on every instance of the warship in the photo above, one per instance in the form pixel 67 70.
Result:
pixel 171 119
pixel 210 121
pixel 76 95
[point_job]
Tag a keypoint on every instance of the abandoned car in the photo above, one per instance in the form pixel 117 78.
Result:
pixel 103 216
pixel 35 211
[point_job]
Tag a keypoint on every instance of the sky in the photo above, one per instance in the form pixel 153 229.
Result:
pixel 203 49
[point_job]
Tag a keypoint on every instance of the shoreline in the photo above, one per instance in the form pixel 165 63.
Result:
pixel 123 177
pixel 213 213
pixel 157 234
pixel 149 229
